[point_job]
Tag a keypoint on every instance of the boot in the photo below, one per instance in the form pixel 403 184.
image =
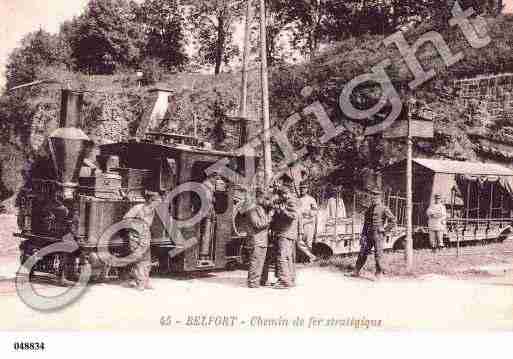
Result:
pixel 281 285
pixel 147 285
pixel 355 274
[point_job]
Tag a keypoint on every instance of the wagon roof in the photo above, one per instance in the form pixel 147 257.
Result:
pixel 169 149
pixel 458 167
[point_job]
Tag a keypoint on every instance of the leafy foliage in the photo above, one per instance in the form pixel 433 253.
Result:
pixel 38 49
pixel 105 36
pixel 163 23
pixel 213 24
pixel 206 99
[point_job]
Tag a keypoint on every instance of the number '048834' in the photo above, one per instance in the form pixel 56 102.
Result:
pixel 30 346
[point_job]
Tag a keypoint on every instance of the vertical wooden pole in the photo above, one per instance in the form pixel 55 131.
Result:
pixel 353 216
pixel 245 62
pixel 268 171
pixel 490 213
pixel 195 119
pixel 409 196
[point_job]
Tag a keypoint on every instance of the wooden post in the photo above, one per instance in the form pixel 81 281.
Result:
pixel 353 219
pixel 195 119
pixel 399 216
pixel 409 195
pixel 453 201
pixel 268 171
pixel 245 62
pixel 490 214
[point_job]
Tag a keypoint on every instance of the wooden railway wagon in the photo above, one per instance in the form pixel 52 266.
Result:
pixel 477 196
pixel 75 190
pixel 338 230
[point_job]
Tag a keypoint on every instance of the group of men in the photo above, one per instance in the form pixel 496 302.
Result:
pixel 275 225
pixel 275 228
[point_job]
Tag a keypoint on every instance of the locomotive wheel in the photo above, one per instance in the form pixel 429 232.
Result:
pixel 70 272
pixel 322 251
pixel 23 257
pixel 400 244
pixel 231 266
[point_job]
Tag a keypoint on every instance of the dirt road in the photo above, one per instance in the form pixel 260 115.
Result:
pixel 325 300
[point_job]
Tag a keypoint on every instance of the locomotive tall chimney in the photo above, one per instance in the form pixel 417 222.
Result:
pixel 68 144
pixel 71 108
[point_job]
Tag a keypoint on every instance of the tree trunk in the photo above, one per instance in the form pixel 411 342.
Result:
pixel 220 46
pixel 500 5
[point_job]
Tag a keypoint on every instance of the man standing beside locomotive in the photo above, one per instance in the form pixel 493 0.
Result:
pixel 437 216
pixel 257 221
pixel 207 223
pixel 139 238
pixel 285 227
pixel 308 209
pixel 373 233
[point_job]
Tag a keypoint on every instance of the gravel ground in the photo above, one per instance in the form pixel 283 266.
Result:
pixel 444 293
pixel 445 262
pixel 8 243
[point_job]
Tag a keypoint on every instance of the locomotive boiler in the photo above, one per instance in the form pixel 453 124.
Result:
pixel 76 190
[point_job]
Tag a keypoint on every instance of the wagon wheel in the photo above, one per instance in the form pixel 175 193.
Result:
pixel 400 244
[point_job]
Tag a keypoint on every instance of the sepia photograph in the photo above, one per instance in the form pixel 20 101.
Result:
pixel 251 167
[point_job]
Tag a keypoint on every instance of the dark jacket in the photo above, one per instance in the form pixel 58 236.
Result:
pixel 376 217
pixel 257 226
pixel 285 222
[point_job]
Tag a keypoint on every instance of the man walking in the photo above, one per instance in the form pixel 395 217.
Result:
pixel 437 216
pixel 285 227
pixel 139 239
pixel 308 224
pixel 373 233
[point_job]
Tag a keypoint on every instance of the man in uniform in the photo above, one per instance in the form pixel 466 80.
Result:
pixel 285 227
pixel 207 223
pixel 139 238
pixel 308 209
pixel 373 233
pixel 257 220
pixel 437 216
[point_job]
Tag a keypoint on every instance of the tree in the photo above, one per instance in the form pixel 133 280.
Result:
pixel 105 36
pixel 163 26
pixel 315 22
pixel 310 22
pixel 277 20
pixel 213 23
pixel 438 12
pixel 38 49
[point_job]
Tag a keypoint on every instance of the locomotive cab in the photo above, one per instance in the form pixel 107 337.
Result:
pixel 182 239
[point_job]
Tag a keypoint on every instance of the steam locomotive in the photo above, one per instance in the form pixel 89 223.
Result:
pixel 76 190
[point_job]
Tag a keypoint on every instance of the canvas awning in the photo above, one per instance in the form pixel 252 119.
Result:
pixel 450 178
pixel 464 168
